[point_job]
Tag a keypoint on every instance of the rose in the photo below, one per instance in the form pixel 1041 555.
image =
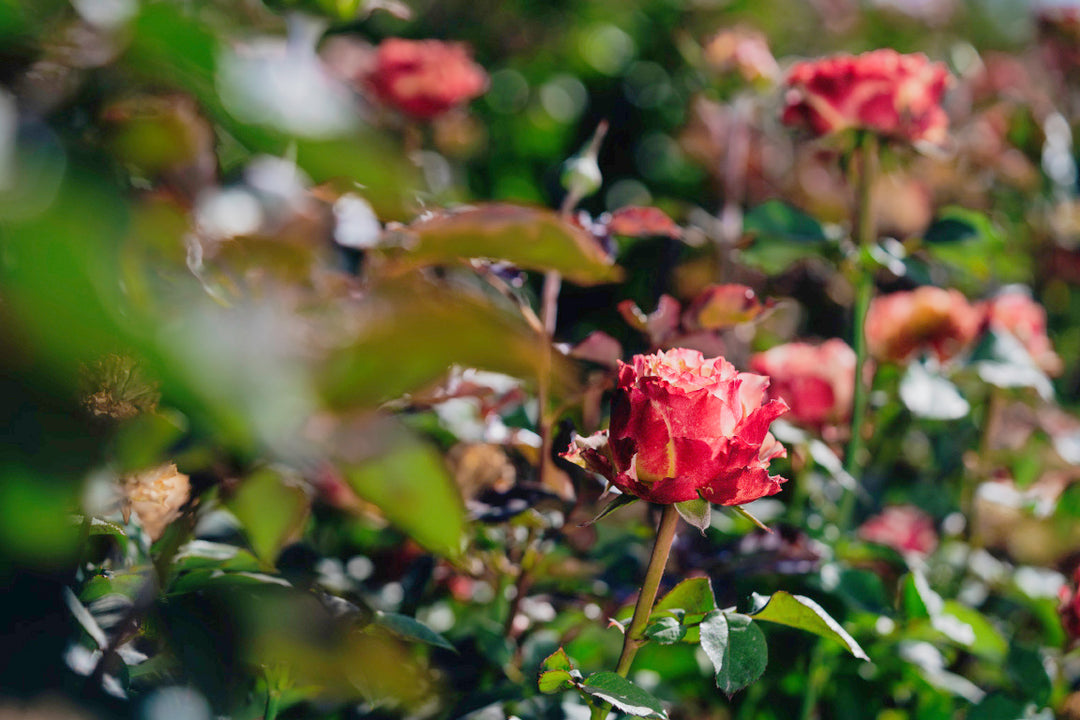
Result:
pixel 425 78
pixel 904 528
pixel 900 323
pixel 683 428
pixel 894 95
pixel 1013 311
pixel 817 382
pixel 156 496
pixel 1070 607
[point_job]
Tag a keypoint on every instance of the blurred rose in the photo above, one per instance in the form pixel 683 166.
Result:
pixel 901 323
pixel 817 382
pixel 896 96
pixel 425 78
pixel 904 528
pixel 1070 607
pixel 1013 311
pixel 156 496
pixel 683 427
pixel 722 306
pixel 744 51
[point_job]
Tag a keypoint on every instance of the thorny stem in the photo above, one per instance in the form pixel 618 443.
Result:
pixel 635 632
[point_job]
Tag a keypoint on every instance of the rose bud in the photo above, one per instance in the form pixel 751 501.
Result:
pixel 684 427
pixel 425 78
pixel 817 382
pixel 904 528
pixel 896 96
pixel 900 323
pixel 156 496
pixel 1013 311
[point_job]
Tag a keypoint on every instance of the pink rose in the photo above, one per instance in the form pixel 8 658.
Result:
pixel 900 323
pixel 905 528
pixel 1014 312
pixel 894 95
pixel 817 382
pixel 425 78
pixel 1070 607
pixel 683 428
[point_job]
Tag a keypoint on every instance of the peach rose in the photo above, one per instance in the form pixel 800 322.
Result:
pixel 683 428
pixel 816 381
pixel 896 96
pixel 156 496
pixel 903 322
pixel 1013 311
pixel 425 78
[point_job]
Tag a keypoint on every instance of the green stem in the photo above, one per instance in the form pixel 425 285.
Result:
pixel 865 236
pixel 273 698
pixel 635 632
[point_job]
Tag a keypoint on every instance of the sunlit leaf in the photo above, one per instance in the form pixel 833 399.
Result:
pixel 529 237
pixel 666 630
pixel 557 660
pixel 736 647
pixel 271 511
pixel 803 613
pixel 929 395
pixel 410 484
pixel 554 681
pixel 623 695
pixel 694 597
pixel 695 512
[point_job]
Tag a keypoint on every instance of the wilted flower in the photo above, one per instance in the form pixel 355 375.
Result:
pixel 425 78
pixel 1014 311
pixel 684 427
pixel 904 528
pixel 116 387
pixel 816 381
pixel 900 323
pixel 896 96
pixel 156 496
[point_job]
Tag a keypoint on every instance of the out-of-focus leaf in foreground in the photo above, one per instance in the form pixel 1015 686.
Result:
pixel 531 238
pixel 270 510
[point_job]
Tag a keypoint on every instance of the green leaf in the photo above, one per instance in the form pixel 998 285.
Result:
pixel 694 597
pixel 271 511
pixel 931 396
pixel 919 600
pixel 411 629
pixel 782 236
pixel 986 641
pixel 696 512
pixel 529 237
pixel 554 681
pixel 736 647
pixel 801 612
pixel 1025 668
pixel 431 328
pixel 557 660
pixel 616 502
pixel 623 695
pixel 143 441
pixel 666 630
pixel 410 484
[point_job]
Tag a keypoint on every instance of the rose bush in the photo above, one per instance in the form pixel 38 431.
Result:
pixel 894 95
pixel 425 78
pixel 904 528
pixel 817 382
pixel 899 324
pixel 684 427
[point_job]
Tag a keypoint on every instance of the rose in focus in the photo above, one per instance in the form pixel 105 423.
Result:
pixel 425 78
pixel 1013 311
pixel 899 324
pixel 685 427
pixel 816 381
pixel 894 95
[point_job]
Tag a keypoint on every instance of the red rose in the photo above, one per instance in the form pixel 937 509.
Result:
pixel 425 78
pixel 683 428
pixel 928 317
pixel 1014 312
pixel 893 95
pixel 818 382
pixel 1070 607
pixel 904 528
